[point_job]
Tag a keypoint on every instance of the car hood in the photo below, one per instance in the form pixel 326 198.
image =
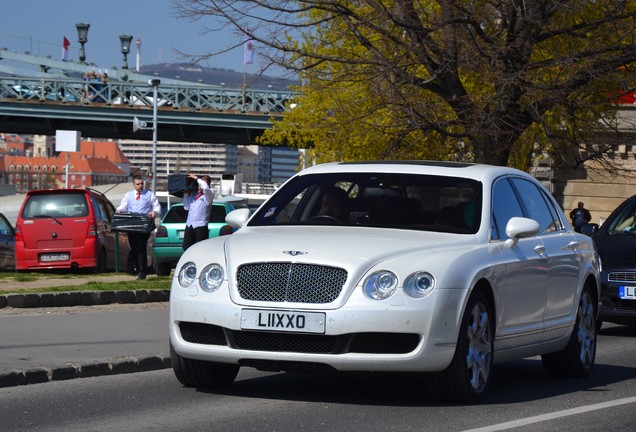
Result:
pixel 616 250
pixel 335 246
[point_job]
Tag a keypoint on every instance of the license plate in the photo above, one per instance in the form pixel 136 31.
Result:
pixel 55 257
pixel 627 292
pixel 181 234
pixel 283 321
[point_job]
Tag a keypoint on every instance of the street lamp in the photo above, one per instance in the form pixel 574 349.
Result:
pixel 82 38
pixel 154 82
pixel 125 48
pixel 141 125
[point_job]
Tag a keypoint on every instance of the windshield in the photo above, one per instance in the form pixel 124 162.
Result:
pixel 402 201
pixel 623 222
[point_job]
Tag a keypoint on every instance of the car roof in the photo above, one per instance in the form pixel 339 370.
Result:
pixel 482 172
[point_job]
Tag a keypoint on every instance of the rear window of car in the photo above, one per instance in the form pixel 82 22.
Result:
pixel 176 214
pixel 56 205
pixel 218 214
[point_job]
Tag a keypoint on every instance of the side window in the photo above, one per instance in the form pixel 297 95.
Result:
pixel 100 209
pixel 504 207
pixel 535 205
pixel 5 229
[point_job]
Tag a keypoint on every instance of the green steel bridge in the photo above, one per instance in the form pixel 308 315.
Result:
pixel 51 100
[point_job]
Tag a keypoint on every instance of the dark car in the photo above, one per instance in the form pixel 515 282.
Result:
pixel 7 245
pixel 615 241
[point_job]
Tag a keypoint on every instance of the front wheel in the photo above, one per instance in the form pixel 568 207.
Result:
pixel 197 373
pixel 468 377
pixel 577 358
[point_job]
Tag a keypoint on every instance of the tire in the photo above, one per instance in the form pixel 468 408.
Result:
pixel 197 373
pixel 163 269
pixel 577 358
pixel 102 264
pixel 469 376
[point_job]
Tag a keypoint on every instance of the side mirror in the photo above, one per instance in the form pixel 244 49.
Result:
pixel 589 229
pixel 238 218
pixel 520 227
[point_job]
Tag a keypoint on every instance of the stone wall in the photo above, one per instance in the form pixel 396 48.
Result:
pixel 594 185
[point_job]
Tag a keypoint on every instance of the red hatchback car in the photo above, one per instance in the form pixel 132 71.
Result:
pixel 68 228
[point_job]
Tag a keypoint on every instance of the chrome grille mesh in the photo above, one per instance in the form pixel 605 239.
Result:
pixel 622 277
pixel 290 282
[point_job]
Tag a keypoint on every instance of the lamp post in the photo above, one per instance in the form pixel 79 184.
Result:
pixel 154 82
pixel 82 38
pixel 138 60
pixel 125 48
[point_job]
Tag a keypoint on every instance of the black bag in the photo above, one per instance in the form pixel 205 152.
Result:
pixel 178 184
pixel 132 222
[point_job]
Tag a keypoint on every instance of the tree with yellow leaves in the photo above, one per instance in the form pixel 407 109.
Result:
pixel 492 82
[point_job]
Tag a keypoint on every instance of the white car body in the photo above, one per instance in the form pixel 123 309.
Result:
pixel 532 282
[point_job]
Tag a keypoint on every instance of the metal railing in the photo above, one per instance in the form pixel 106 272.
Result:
pixel 186 96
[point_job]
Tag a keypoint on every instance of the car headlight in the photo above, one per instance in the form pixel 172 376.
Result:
pixel 187 274
pixel 211 277
pixel 419 284
pixel 380 285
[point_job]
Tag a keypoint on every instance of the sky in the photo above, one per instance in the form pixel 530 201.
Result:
pixel 39 26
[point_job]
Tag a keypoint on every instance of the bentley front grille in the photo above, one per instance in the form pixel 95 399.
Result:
pixel 290 282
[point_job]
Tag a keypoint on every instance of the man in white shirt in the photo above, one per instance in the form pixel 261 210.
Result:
pixel 198 206
pixel 139 200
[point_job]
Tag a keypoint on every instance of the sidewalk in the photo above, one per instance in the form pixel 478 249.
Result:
pixel 66 335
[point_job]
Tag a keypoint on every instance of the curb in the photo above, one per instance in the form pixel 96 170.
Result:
pixel 82 298
pixel 12 378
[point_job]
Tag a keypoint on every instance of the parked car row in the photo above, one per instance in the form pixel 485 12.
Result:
pixel 72 229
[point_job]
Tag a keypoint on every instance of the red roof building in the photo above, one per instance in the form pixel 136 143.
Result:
pixel 97 163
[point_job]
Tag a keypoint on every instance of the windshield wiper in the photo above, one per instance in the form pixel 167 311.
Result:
pixel 41 216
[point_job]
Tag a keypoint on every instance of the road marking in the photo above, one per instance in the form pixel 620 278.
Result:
pixel 554 415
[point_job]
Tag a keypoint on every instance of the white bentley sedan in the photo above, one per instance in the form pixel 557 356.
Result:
pixel 410 267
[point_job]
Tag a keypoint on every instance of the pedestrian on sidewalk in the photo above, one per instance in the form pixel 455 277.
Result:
pixel 139 200
pixel 198 206
pixel 580 216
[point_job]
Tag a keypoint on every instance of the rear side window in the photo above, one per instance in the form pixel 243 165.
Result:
pixel 218 214
pixel 55 205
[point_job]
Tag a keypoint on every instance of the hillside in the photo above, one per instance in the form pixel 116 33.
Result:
pixel 216 76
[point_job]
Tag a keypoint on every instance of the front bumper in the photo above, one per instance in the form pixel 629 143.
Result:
pixel 614 309
pixel 397 335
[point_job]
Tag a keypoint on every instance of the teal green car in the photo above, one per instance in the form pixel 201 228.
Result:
pixel 168 243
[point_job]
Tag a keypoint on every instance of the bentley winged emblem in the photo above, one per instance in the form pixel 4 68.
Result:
pixel 294 252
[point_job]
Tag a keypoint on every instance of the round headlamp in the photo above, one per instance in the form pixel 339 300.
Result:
pixel 380 285
pixel 187 274
pixel 419 284
pixel 211 277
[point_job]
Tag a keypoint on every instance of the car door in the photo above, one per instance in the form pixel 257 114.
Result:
pixel 522 274
pixel 105 234
pixel 7 244
pixel 560 253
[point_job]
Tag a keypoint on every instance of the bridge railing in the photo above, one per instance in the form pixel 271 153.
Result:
pixel 185 96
